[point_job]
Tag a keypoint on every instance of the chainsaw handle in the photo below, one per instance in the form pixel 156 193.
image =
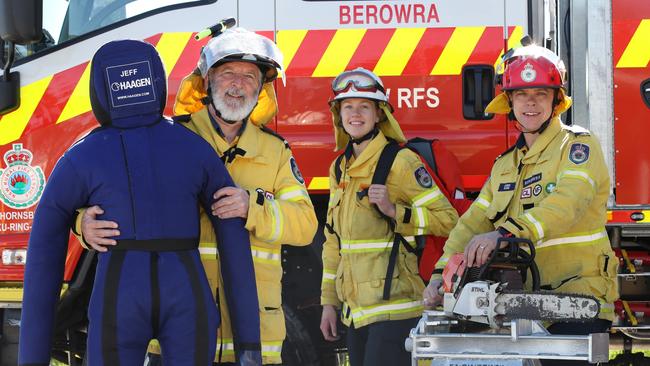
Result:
pixel 515 255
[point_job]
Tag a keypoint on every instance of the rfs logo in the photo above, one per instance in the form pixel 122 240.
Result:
pixel 528 74
pixel 21 185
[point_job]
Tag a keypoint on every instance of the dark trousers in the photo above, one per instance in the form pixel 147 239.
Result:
pixel 380 343
pixel 594 326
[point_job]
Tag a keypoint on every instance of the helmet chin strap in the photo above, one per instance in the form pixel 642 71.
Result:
pixel 365 137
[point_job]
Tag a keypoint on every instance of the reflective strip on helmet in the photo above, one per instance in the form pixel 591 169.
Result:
pixel 427 197
pixel 482 202
pixel 583 238
pixel 391 307
pixel 538 227
pixel 371 245
pixel 265 255
pixel 329 276
pixel 276 221
pixel 580 174
pixel 293 194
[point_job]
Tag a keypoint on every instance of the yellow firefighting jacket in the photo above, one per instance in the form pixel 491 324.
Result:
pixel 554 194
pixel 356 252
pixel 280 212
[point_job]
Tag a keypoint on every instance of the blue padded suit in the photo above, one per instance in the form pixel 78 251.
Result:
pixel 149 175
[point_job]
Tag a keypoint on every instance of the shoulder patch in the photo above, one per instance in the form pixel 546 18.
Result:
pixel 578 130
pixel 579 153
pixel 296 172
pixel 183 118
pixel 275 134
pixel 423 177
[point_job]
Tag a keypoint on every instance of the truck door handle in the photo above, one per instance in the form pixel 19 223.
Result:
pixel 645 92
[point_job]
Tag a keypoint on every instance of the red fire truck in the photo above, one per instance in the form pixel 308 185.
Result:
pixel 436 58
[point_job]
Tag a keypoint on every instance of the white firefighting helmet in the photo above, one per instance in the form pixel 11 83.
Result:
pixel 239 44
pixel 362 83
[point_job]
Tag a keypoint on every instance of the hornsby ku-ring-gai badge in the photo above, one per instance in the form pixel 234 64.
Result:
pixel 21 185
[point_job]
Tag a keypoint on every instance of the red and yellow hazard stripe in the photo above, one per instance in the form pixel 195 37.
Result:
pixel 63 96
pixel 636 53
pixel 391 52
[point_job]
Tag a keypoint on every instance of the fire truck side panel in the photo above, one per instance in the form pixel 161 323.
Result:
pixel 631 58
pixel 418 48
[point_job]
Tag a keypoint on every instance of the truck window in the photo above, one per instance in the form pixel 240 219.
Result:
pixel 65 20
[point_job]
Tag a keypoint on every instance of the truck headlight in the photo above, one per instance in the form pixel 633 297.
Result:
pixel 14 257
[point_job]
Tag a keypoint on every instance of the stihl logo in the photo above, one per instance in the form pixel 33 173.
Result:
pixel 478 289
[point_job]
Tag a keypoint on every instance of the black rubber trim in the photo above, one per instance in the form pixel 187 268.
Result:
pixel 110 355
pixel 156 245
pixel 528 206
pixel 407 215
pixel 510 220
pixel 201 321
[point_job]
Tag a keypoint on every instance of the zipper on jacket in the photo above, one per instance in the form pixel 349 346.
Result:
pixel 128 177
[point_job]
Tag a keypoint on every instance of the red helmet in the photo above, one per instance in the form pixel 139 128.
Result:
pixel 533 67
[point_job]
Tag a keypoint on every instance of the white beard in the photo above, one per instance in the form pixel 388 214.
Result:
pixel 234 109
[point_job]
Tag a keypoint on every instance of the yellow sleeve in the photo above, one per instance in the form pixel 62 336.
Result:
pixel 421 208
pixel 331 255
pixel 76 228
pixel 288 217
pixel 471 223
pixel 577 184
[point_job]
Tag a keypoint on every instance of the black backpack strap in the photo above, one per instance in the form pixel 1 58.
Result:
pixel 337 164
pixel 382 170
pixel 424 148
pixel 385 162
pixel 392 261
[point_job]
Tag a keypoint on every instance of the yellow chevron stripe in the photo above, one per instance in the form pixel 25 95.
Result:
pixel 513 42
pixel 288 42
pixel 637 52
pixel 398 51
pixel 79 101
pixel 170 46
pixel 319 183
pixel 13 124
pixel 339 52
pixel 457 51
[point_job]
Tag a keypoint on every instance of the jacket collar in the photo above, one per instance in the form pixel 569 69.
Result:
pixel 366 161
pixel 247 139
pixel 544 139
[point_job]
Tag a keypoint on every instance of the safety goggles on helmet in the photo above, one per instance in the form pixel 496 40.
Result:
pixel 238 44
pixel 532 67
pixel 357 79
pixel 358 83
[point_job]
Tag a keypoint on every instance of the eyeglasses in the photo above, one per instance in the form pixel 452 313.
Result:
pixel 361 81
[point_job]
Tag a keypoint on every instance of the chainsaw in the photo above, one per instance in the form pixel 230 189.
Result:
pixel 494 293
pixel 490 318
